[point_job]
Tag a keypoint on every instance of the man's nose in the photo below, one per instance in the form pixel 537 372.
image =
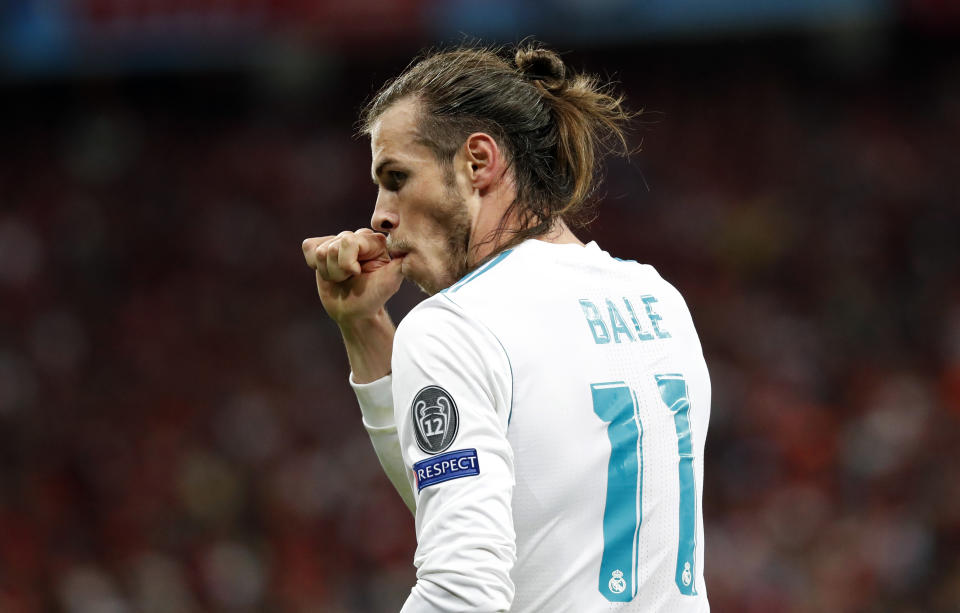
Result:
pixel 384 218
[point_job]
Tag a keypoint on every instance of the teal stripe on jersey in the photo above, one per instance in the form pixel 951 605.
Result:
pixel 673 390
pixel 616 405
pixel 467 279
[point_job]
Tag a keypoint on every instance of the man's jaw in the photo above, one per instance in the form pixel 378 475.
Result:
pixel 413 270
pixel 400 249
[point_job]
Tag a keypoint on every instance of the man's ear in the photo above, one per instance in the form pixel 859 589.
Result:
pixel 485 163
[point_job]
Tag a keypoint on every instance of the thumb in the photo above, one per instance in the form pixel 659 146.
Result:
pixel 390 275
pixel 394 267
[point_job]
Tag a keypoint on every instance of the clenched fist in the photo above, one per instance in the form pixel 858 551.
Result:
pixel 355 275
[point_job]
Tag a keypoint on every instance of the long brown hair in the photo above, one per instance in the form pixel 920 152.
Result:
pixel 557 125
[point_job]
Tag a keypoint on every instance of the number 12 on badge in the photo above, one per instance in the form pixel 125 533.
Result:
pixel 615 403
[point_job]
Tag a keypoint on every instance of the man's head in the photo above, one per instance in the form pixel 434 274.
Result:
pixel 474 152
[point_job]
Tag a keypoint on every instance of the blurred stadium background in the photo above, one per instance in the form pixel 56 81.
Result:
pixel 176 431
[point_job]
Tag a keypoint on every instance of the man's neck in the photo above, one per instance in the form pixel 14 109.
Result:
pixel 561 234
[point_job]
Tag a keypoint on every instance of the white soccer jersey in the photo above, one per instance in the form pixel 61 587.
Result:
pixel 547 420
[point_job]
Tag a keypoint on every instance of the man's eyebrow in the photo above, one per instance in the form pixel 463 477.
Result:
pixel 379 169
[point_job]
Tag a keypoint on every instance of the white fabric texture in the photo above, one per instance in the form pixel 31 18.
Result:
pixel 376 406
pixel 526 347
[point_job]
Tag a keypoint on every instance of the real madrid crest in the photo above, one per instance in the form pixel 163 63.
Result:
pixel 435 419
pixel 617 583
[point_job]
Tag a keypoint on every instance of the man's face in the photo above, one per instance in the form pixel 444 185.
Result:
pixel 419 204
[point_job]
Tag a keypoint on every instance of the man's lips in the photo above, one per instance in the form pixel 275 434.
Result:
pixel 396 253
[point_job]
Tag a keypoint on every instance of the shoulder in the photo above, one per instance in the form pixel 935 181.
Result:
pixel 434 318
pixel 439 344
pixel 464 308
pixel 442 330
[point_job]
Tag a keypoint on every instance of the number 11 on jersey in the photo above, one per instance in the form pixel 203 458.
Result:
pixel 616 404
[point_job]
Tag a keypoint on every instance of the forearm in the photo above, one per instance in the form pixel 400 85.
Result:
pixel 369 345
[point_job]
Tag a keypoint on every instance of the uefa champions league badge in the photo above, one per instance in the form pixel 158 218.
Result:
pixel 435 419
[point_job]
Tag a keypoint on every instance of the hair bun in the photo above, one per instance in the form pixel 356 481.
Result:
pixel 538 64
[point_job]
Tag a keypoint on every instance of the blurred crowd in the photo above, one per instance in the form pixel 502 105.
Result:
pixel 176 430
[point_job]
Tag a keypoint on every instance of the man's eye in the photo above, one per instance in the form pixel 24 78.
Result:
pixel 397 177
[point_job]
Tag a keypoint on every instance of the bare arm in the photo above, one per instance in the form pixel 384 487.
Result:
pixel 355 278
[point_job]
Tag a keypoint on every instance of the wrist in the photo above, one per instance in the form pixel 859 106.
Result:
pixel 355 327
pixel 369 344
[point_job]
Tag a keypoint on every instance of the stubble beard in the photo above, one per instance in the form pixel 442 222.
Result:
pixel 453 221
pixel 458 243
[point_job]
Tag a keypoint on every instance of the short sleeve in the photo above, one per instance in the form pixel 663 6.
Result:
pixel 452 390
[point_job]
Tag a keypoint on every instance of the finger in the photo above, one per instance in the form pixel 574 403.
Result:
pixel 371 246
pixel 394 272
pixel 335 272
pixel 320 259
pixel 347 256
pixel 394 267
pixel 389 272
pixel 309 247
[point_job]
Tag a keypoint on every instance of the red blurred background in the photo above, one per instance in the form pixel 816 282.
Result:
pixel 176 430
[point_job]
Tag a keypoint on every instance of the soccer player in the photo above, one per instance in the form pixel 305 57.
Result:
pixel 543 412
